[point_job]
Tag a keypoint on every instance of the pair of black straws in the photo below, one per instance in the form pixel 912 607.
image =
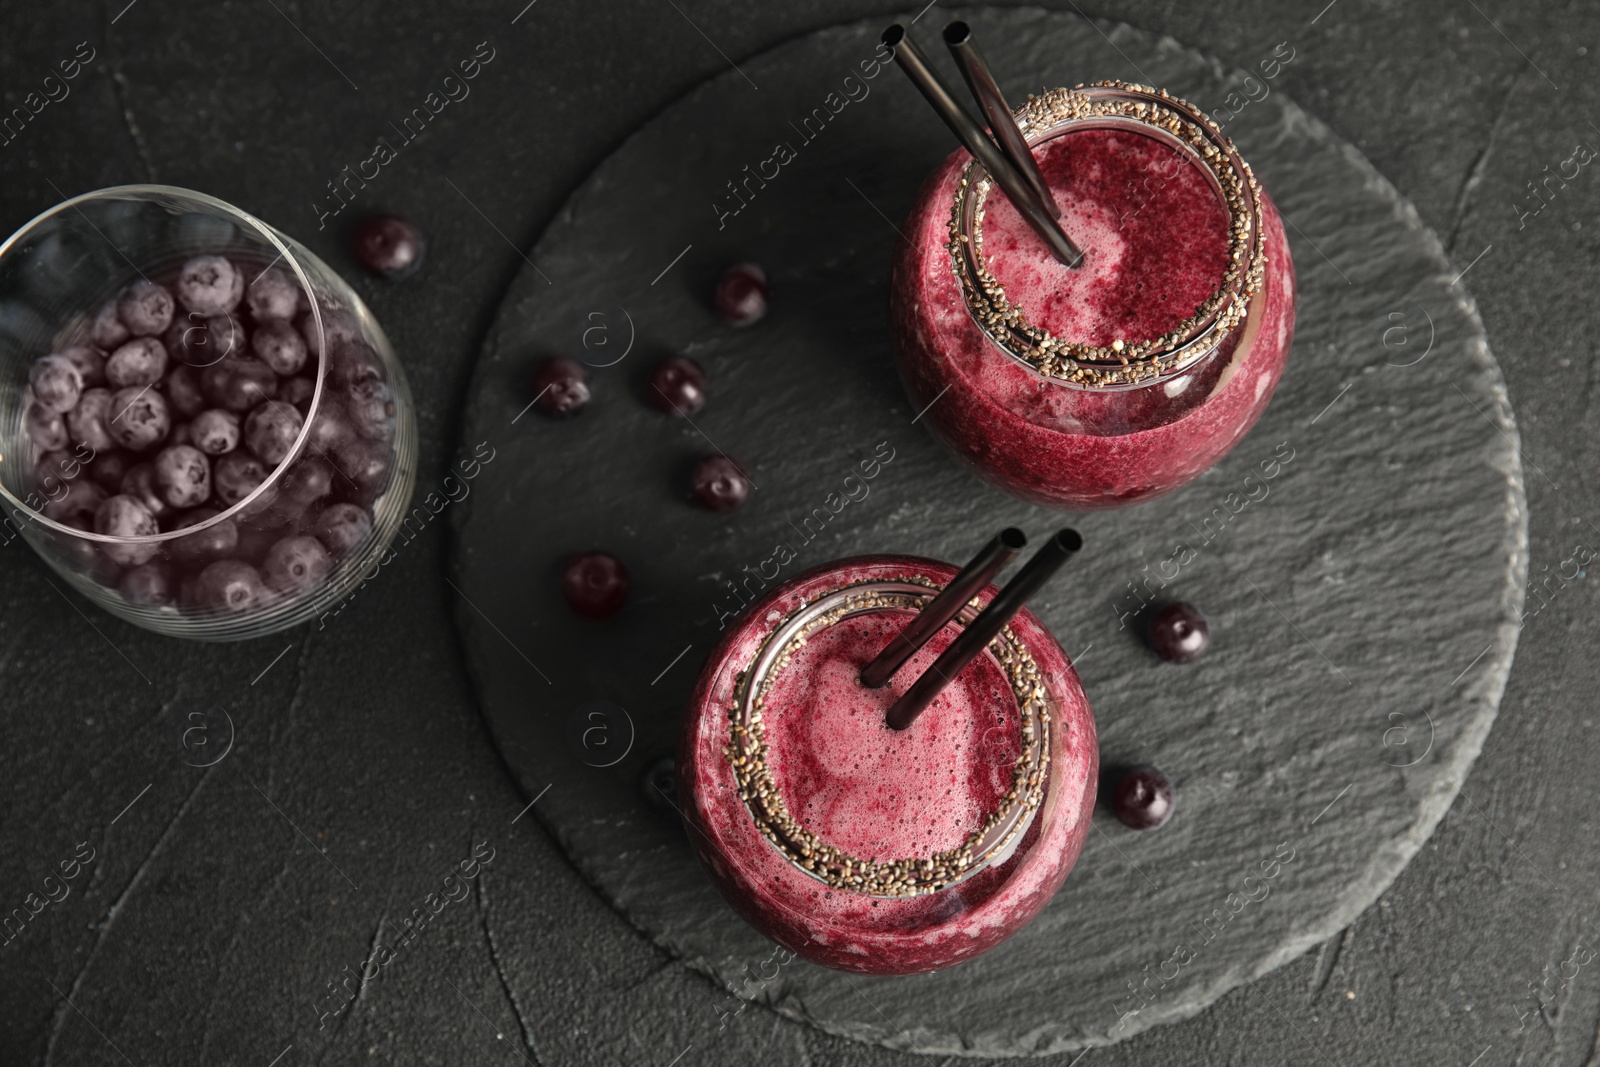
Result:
pixel 1002 549
pixel 1007 158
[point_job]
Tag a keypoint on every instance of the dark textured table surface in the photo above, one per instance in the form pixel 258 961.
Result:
pixel 220 903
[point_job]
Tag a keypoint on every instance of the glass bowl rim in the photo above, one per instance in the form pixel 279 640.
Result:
pixel 149 192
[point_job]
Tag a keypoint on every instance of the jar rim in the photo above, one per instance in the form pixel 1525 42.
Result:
pixel 994 841
pixel 1119 366
pixel 153 193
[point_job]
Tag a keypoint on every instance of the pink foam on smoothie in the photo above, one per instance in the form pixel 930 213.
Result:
pixel 874 792
pixel 1154 232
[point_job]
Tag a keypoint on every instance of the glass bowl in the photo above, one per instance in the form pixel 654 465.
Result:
pixel 241 476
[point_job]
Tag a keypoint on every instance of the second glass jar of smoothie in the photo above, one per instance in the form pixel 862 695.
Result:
pixel 864 848
pixel 1126 377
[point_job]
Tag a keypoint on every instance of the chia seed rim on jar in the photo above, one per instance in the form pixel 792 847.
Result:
pixel 991 843
pixel 1119 366
pixel 285 254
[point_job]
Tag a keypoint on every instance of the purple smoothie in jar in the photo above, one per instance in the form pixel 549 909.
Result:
pixel 1126 377
pixel 867 849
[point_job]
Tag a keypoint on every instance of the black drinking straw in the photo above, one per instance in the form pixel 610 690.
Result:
pixel 970 134
pixel 958 38
pixel 976 637
pixel 1000 550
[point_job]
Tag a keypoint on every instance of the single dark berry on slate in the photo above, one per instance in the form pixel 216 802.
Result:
pixel 1142 798
pixel 741 296
pixel 388 246
pixel 677 386
pixel 560 386
pixel 596 584
pixel 719 484
pixel 1179 632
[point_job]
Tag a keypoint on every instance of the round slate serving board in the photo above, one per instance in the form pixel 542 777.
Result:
pixel 1361 553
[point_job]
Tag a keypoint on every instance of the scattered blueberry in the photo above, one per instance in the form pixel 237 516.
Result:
pixel 1179 632
pixel 210 285
pixel 596 584
pixel 677 386
pixel 741 296
pixel 388 246
pixel 215 431
pixel 560 386
pixel 719 485
pixel 145 308
pixel 183 475
pixel 1142 798
pixel 57 383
